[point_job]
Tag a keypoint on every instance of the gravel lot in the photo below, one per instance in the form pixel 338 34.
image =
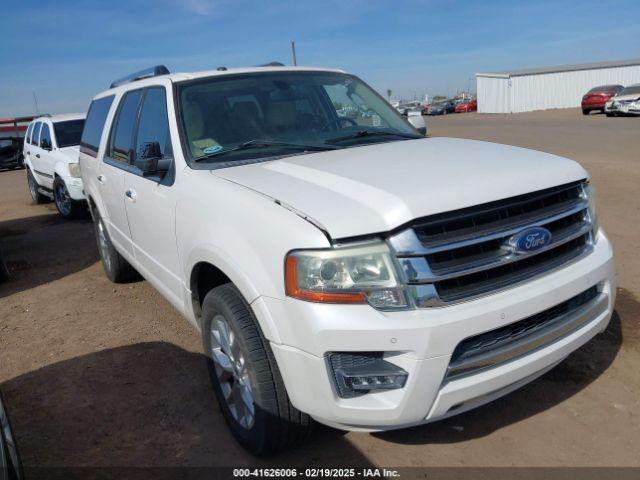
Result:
pixel 97 374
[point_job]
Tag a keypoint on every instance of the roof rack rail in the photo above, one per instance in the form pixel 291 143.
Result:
pixel 272 64
pixel 142 74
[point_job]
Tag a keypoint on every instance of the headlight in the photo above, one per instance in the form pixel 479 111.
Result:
pixel 589 193
pixel 358 274
pixel 74 170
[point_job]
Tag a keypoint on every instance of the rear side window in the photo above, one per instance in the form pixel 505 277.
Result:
pixel 94 124
pixel 35 137
pixel 68 133
pixel 28 134
pixel 45 137
pixel 121 142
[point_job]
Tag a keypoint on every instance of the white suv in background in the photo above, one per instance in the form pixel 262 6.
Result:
pixel 338 268
pixel 51 148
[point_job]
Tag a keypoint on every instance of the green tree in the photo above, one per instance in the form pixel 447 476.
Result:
pixel 389 92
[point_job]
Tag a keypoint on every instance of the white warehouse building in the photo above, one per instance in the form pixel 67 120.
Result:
pixel 550 87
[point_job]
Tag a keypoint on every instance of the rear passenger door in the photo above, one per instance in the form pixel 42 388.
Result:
pixel 36 154
pixel 45 158
pixel 116 161
pixel 151 201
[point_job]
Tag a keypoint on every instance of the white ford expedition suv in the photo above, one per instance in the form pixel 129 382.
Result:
pixel 51 158
pixel 341 268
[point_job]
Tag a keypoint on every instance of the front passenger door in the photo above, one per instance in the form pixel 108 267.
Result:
pixel 116 161
pixel 151 199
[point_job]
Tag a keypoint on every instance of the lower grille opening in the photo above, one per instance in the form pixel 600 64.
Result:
pixel 514 340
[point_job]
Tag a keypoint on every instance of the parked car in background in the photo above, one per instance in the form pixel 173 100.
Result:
pixel 442 108
pixel 404 108
pixel 415 118
pixel 11 153
pixel 624 102
pixel 597 98
pixel 363 276
pixel 51 148
pixel 468 105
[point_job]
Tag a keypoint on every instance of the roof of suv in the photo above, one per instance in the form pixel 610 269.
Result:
pixel 185 76
pixel 62 117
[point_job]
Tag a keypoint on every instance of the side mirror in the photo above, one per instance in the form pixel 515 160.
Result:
pixel 45 144
pixel 150 160
pixel 418 123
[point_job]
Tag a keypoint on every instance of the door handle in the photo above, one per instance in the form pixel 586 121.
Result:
pixel 28 152
pixel 37 155
pixel 101 179
pixel 131 194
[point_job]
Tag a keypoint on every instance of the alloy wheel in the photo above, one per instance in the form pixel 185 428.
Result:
pixel 232 372
pixel 63 200
pixel 33 190
pixel 103 243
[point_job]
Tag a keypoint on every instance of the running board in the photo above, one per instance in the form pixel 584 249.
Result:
pixel 46 192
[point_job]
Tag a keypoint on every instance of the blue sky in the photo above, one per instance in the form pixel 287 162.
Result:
pixel 67 51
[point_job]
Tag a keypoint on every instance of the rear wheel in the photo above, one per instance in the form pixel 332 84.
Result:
pixel 67 206
pixel 609 114
pixel 117 269
pixel 585 111
pixel 36 196
pixel 245 376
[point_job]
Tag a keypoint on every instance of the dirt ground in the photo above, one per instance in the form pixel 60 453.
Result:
pixel 97 374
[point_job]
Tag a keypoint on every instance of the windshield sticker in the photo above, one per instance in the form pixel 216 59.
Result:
pixel 212 149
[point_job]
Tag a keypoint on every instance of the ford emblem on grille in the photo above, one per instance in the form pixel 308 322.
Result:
pixel 530 239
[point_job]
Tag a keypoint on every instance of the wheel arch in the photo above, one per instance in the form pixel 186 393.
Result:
pixel 207 270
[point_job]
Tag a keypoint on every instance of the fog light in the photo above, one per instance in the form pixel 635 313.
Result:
pixel 360 373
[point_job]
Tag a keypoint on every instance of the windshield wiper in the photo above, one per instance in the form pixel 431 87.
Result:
pixel 268 143
pixel 371 133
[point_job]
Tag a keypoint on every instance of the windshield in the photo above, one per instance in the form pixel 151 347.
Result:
pixel 279 113
pixel 632 90
pixel 68 133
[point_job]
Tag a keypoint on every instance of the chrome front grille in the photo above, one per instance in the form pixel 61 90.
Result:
pixel 464 254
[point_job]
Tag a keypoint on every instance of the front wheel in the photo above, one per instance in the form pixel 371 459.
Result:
pixel 585 111
pixel 245 376
pixel 67 206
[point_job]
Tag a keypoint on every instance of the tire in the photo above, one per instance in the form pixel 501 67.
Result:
pixel 585 112
pixel 117 269
pixel 608 114
pixel 247 382
pixel 36 196
pixel 12 468
pixel 68 207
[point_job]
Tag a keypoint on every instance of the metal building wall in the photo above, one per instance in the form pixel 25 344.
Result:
pixel 493 95
pixel 547 90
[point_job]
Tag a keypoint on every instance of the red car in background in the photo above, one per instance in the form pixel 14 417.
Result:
pixel 597 97
pixel 467 106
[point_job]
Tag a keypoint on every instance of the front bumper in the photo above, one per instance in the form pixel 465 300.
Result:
pixel 75 188
pixel 422 342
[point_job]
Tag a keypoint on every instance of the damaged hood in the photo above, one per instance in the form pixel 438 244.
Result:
pixel 376 188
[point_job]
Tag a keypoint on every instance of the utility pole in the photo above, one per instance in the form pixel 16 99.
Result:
pixel 35 102
pixel 293 53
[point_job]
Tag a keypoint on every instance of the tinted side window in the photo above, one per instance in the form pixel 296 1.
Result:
pixel 35 137
pixel 122 132
pixel 94 124
pixel 154 124
pixel 45 137
pixel 28 134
